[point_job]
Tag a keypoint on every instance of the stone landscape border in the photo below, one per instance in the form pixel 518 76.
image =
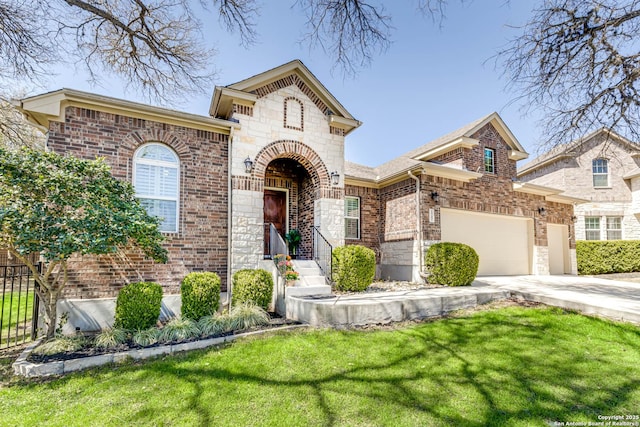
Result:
pixel 31 370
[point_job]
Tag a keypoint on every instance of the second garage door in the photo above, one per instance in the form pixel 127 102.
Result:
pixel 503 243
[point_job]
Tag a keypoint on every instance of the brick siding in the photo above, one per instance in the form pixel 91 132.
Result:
pixel 201 241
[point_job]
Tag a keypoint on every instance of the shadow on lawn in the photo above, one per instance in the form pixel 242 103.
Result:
pixel 492 369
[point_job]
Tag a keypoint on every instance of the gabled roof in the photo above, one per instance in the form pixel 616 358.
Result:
pixel 247 91
pixel 420 157
pixel 572 149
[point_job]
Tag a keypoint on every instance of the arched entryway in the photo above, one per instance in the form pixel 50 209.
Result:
pixel 294 177
pixel 288 202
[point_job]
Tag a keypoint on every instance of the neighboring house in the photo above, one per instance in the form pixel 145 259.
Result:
pixel 601 168
pixel 271 151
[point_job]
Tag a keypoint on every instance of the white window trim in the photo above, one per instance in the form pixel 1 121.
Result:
pixel 587 230
pixel 161 163
pixel 493 160
pixel 594 174
pixel 607 229
pixel 353 217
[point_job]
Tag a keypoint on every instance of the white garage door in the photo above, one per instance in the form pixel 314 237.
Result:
pixel 503 243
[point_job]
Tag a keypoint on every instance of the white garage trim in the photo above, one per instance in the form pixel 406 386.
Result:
pixel 558 241
pixel 503 243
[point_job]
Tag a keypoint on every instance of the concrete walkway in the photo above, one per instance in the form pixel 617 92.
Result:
pixel 602 297
pixel 612 299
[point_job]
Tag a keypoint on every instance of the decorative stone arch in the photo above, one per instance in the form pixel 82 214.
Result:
pixel 295 150
pixel 143 136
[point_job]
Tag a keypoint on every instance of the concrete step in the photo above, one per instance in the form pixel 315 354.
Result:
pixel 309 271
pixel 301 291
pixel 304 263
pixel 316 280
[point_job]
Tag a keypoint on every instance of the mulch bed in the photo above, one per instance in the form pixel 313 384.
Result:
pixel 90 350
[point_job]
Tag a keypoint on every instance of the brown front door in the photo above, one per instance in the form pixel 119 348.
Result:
pixel 275 212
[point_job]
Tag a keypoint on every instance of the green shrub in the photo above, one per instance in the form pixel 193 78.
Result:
pixel 254 286
pixel 179 330
pixel 451 264
pixel 354 267
pixel 138 306
pixel 216 324
pixel 247 315
pixel 146 337
pixel 608 256
pixel 111 338
pixel 200 293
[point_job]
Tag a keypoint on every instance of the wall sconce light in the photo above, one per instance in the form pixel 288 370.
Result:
pixel 435 196
pixel 335 178
pixel 248 164
pixel 574 218
pixel 541 211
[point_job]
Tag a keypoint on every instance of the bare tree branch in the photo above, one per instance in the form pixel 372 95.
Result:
pixel 578 61
pixel 239 15
pixel 353 31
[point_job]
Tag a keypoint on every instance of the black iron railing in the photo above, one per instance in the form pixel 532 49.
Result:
pixel 18 305
pixel 322 250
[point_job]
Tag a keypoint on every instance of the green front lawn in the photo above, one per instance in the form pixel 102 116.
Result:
pixel 15 308
pixel 510 366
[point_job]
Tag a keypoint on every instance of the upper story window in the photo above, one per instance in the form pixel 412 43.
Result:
pixel 156 180
pixel 351 217
pixel 489 160
pixel 600 170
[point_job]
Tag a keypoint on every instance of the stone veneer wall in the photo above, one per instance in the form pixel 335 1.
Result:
pixel 266 135
pixel 201 241
pixel 574 176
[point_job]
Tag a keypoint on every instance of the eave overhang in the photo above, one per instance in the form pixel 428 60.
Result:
pixel 461 142
pixel 549 193
pixel 50 107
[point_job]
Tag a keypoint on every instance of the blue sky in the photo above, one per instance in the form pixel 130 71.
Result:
pixel 433 79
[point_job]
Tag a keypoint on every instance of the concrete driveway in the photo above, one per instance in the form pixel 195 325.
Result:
pixel 608 298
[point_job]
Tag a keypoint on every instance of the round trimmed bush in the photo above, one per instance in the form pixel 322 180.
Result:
pixel 200 293
pixel 451 264
pixel 354 267
pixel 254 286
pixel 138 306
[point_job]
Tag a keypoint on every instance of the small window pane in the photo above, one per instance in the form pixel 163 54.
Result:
pixel 614 228
pixel 163 209
pixel 600 170
pixel 157 152
pixel 352 218
pixel 489 160
pixel 592 228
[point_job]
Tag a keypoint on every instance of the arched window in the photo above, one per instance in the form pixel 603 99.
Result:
pixel 156 180
pixel 293 114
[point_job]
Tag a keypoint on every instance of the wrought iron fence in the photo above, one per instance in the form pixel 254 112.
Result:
pixel 322 251
pixel 18 303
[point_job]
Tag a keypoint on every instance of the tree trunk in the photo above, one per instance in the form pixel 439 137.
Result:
pixel 50 302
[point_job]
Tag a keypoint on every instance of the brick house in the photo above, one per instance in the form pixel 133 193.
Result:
pixel 461 187
pixel 271 150
pixel 601 168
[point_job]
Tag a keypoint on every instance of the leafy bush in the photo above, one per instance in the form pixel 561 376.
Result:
pixel 354 267
pixel 200 293
pixel 138 306
pixel 61 344
pixel 451 264
pixel 247 315
pixel 609 256
pixel 111 338
pixel 146 337
pixel 216 324
pixel 254 286
pixel 179 330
